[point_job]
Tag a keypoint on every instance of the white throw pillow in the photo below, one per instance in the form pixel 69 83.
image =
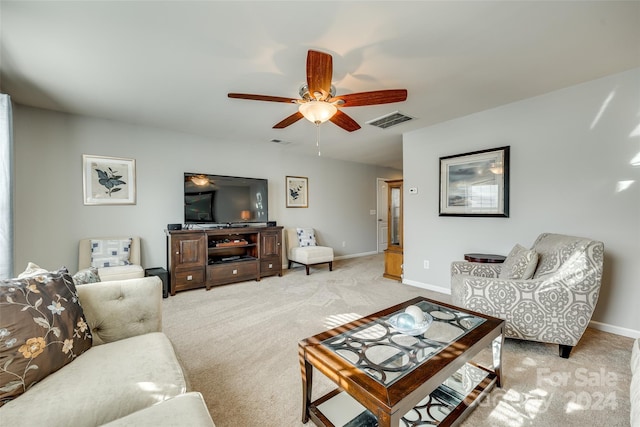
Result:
pixel 520 264
pixel 32 270
pixel 306 237
pixel 110 253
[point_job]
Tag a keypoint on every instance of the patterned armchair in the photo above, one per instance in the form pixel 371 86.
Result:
pixel 545 294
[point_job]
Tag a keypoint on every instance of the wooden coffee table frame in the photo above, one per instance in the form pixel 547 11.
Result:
pixel 390 403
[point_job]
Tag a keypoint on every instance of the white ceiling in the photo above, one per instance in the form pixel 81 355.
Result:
pixel 170 64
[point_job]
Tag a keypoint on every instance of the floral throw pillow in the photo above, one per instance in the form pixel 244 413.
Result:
pixel 42 328
pixel 306 237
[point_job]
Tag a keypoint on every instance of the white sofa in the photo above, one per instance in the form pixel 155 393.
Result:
pixel 635 384
pixel 130 376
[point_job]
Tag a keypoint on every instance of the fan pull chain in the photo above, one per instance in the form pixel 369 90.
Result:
pixel 318 137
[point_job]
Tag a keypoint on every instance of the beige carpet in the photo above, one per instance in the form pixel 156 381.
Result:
pixel 238 344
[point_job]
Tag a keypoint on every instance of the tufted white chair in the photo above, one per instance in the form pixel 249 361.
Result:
pixel 307 255
pixel 554 305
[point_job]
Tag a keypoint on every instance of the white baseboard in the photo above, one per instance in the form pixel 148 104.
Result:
pixel 618 330
pixel 361 254
pixel 358 255
pixel 434 288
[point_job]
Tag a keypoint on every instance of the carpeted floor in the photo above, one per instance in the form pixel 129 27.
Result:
pixel 238 344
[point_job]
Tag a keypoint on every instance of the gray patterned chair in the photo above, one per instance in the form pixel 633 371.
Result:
pixel 545 294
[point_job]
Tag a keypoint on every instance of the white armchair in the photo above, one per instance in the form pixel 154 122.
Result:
pixel 309 253
pixel 121 272
pixel 555 305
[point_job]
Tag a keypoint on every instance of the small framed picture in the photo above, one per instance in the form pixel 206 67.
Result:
pixel 297 188
pixel 475 184
pixel 108 180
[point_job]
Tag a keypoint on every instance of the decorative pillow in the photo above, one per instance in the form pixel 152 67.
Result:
pixel 306 237
pixel 110 253
pixel 553 251
pixel 520 264
pixel 42 328
pixel 32 270
pixel 88 275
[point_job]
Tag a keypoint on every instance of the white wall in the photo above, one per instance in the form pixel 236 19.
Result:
pixel 50 216
pixel 570 151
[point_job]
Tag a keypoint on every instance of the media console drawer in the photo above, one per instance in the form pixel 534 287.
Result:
pixel 219 274
pixel 189 279
pixel 271 267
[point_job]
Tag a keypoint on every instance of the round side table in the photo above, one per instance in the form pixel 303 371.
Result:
pixel 485 258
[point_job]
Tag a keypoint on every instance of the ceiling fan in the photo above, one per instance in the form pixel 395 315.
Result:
pixel 318 101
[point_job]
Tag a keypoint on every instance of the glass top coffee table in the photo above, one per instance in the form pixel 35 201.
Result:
pixel 388 378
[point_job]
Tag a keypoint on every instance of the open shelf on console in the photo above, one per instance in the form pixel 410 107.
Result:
pixel 213 260
pixel 232 246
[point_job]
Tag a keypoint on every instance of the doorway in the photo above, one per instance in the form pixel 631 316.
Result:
pixel 382 220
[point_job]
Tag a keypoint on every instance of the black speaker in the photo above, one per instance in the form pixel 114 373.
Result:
pixel 163 275
pixel 271 223
pixel 174 226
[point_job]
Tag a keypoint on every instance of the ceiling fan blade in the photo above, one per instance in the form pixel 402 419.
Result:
pixel 261 97
pixel 344 121
pixel 319 73
pixel 371 98
pixel 289 120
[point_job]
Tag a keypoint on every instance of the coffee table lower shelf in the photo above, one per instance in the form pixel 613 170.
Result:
pixel 447 405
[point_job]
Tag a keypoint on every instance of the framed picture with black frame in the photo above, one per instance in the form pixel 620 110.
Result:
pixel 475 184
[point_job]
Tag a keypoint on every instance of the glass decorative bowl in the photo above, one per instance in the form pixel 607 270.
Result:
pixel 405 323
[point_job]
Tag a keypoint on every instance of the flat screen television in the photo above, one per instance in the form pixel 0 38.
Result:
pixel 221 200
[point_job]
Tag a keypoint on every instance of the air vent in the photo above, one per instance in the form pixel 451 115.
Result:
pixel 279 141
pixel 389 120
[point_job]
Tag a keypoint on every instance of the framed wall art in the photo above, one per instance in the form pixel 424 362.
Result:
pixel 475 183
pixel 297 188
pixel 108 180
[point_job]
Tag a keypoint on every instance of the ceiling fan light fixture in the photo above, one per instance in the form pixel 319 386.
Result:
pixel 304 92
pixel 318 102
pixel 317 111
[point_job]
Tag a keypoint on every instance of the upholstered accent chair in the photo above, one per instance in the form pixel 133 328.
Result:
pixel 129 269
pixel 551 302
pixel 303 248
